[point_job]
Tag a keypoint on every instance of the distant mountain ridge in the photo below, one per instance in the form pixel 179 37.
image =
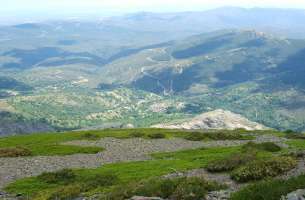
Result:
pixel 150 68
pixel 281 22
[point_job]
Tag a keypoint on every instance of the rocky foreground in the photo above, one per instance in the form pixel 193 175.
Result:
pixel 117 150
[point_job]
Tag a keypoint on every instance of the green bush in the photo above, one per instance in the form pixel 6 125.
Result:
pixel 295 154
pixel 100 180
pixel 176 188
pixel 68 192
pixel 121 192
pixel 136 135
pixel 289 131
pixel 295 136
pixel 194 189
pixel 260 169
pixel 266 146
pixel 226 136
pixel 156 136
pixel 14 152
pixel 158 187
pixel 90 136
pixel 62 176
pixel 270 189
pixel 230 163
pixel 195 136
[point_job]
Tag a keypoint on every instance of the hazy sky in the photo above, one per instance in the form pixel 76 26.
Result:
pixel 62 6
pixel 19 11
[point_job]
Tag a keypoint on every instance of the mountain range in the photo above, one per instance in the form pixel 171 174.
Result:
pixel 148 68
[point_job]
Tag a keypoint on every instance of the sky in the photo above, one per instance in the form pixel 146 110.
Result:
pixel 123 6
pixel 26 10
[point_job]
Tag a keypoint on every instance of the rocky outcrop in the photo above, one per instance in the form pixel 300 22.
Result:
pixel 217 119
pixel 296 195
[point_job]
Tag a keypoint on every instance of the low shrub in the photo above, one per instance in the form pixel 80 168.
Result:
pixel 289 131
pixel 177 188
pixel 197 136
pixel 156 136
pixel 194 189
pixel 15 152
pixel 68 192
pixel 62 176
pixel 295 154
pixel 260 169
pixel 90 136
pixel 226 136
pixel 121 192
pixel 265 146
pixel 295 136
pixel 136 135
pixel 230 163
pixel 100 180
pixel 269 189
pixel 158 187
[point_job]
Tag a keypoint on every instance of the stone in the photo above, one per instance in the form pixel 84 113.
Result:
pixel 296 195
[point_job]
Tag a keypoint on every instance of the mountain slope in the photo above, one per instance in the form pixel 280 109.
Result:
pixel 252 73
pixel 214 60
pixel 217 119
pixel 11 124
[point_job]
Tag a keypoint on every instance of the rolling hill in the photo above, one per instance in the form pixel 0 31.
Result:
pixel 150 68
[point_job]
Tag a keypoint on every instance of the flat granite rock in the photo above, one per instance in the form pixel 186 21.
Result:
pixel 296 195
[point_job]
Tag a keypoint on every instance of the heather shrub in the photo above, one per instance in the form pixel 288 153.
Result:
pixel 90 136
pixel 100 180
pixel 62 176
pixel 15 152
pixel 194 189
pixel 156 136
pixel 68 192
pixel 230 163
pixel 265 146
pixel 269 189
pixel 260 169
pixel 176 188
pixel 136 134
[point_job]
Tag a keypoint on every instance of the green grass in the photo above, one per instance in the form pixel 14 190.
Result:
pixel 296 143
pixel 270 189
pixel 51 143
pixel 48 144
pixel 131 171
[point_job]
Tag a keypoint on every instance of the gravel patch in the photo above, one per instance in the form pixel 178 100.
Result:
pixel 116 150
